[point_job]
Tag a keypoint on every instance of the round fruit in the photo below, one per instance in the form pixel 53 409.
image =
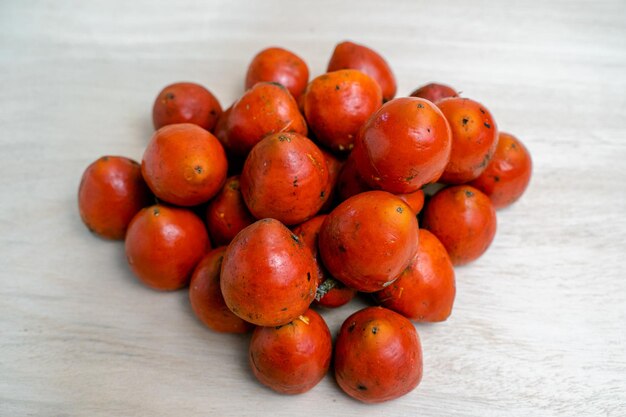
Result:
pixel 111 192
pixel 378 355
pixel 337 104
pixel 330 292
pixel 227 214
pixel 206 296
pixel 264 109
pixel 285 177
pixel 425 290
pixel 415 200
pixel 184 164
pixel 293 358
pixel 368 240
pixel 434 92
pixel 186 103
pixel 474 139
pixel 164 244
pixel 269 276
pixel 281 66
pixel 463 219
pixel 349 55
pixel 403 146
pixel 506 177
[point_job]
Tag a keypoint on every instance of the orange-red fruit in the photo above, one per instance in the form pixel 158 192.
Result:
pixel 293 358
pixel 378 355
pixel 435 92
pixel 425 290
pixel 206 296
pixel 336 105
pixel 350 182
pixel 368 240
pixel 111 192
pixel 164 244
pixel 415 200
pixel 403 146
pixel 474 139
pixel 285 177
pixel 464 221
pixel 281 66
pixel 268 276
pixel 334 168
pixel 506 177
pixel 184 164
pixel 349 55
pixel 264 109
pixel 227 214
pixel 330 292
pixel 186 103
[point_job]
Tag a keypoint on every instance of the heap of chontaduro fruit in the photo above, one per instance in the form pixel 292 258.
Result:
pixel 311 192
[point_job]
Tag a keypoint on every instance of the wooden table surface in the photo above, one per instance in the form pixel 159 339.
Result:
pixel 539 324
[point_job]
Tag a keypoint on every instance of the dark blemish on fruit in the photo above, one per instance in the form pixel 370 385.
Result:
pixel 513 146
pixel 399 210
pixel 198 169
pixel 482 110
pixel 295 182
pixel 156 211
pixel 361 387
pixel 487 125
pixel 465 121
pixel 485 160
pixel 351 327
pixel 496 178
pixel 278 327
pixel 284 309
pixel 374 330
pixel 213 112
pixel 420 106
pixel 284 138
pixel 308 276
pixel 337 87
pixel 469 193
pixel 322 194
pixel 106 158
pixel 342 248
pixel 428 129
pixel 170 96
pixel 295 238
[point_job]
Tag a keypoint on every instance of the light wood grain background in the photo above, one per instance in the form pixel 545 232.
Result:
pixel 539 326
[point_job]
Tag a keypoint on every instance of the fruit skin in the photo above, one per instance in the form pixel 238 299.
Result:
pixel 415 200
pixel 184 164
pixel 186 102
pixel 292 358
pixel 330 292
pixel 334 166
pixel 403 146
pixel 464 221
pixel 227 214
pixel 264 109
pixel 368 240
pixel 425 290
pixel 281 66
pixel 506 177
pixel 474 139
pixel 350 182
pixel 164 244
pixel 349 55
pixel 268 275
pixel 285 177
pixel 336 105
pixel 434 92
pixel 378 355
pixel 206 298
pixel 110 193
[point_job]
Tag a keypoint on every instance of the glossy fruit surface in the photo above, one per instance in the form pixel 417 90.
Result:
pixel 164 245
pixel 463 219
pixel 349 55
pixel 506 177
pixel 285 178
pixel 269 276
pixel 368 240
pixel 403 146
pixel 435 92
pixel 227 213
pixel 378 355
pixel 186 103
pixel 110 193
pixel 474 139
pixel 293 358
pixel 281 66
pixel 426 288
pixel 206 298
pixel 184 165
